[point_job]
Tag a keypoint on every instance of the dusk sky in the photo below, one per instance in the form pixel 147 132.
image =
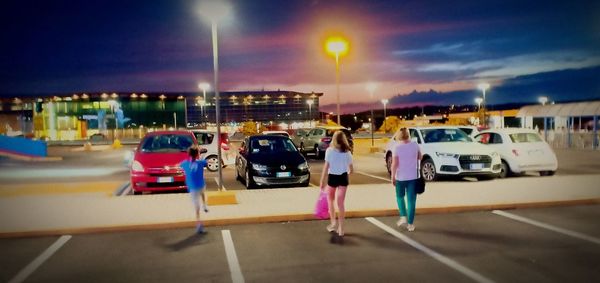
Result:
pixel 522 48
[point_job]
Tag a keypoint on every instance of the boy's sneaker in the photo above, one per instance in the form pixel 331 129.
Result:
pixel 200 229
pixel 410 227
pixel 402 221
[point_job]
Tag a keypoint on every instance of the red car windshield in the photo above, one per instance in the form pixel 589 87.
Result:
pixel 166 143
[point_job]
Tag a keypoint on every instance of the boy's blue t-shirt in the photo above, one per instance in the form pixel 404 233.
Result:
pixel 194 173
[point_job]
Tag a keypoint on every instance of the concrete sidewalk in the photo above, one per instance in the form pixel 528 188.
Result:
pixel 96 212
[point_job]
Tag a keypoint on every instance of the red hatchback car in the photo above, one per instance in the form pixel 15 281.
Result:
pixel 155 165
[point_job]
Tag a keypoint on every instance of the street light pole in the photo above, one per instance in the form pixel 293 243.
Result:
pixel 484 87
pixel 371 89
pixel 337 85
pixel 215 46
pixel 385 102
pixel 337 46
pixel 310 103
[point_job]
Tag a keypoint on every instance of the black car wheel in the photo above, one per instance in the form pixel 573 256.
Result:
pixel 428 170
pixel 318 152
pixel 237 174
pixel 547 173
pixel 505 170
pixel 388 162
pixel 249 183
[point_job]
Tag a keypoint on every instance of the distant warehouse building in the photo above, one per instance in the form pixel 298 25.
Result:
pixel 78 116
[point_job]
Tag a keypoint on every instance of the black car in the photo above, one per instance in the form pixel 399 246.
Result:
pixel 271 160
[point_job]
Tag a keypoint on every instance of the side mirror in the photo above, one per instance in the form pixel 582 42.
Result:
pixel 203 150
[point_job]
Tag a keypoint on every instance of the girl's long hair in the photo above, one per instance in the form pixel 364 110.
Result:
pixel 193 152
pixel 340 142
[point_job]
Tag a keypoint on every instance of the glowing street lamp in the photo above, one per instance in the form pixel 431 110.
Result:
pixel 310 103
pixel 371 87
pixel 543 100
pixel 385 102
pixel 337 46
pixel 216 11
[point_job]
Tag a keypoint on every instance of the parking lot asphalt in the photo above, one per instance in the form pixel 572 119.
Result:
pixel 478 246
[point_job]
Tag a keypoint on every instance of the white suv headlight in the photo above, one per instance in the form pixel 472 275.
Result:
pixel 445 154
pixel 259 167
pixel 137 166
pixel 303 166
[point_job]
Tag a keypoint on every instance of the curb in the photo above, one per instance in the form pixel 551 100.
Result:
pixel 289 218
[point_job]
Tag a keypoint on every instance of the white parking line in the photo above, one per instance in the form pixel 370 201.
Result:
pixel 312 185
pixel 38 261
pixel 372 176
pixel 447 261
pixel 548 226
pixel 217 181
pixel 234 265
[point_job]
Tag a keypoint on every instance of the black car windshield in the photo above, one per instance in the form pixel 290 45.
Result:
pixel 272 144
pixel 444 135
pixel 166 143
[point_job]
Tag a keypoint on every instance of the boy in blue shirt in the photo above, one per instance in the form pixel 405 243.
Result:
pixel 193 168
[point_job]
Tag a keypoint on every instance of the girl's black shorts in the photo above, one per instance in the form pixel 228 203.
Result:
pixel 337 180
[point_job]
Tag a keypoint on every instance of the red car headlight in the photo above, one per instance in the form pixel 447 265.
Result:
pixel 137 166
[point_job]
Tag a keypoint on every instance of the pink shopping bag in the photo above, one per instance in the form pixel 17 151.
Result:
pixel 321 208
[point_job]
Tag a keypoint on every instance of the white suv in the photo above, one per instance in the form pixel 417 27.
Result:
pixel 450 151
pixel 206 140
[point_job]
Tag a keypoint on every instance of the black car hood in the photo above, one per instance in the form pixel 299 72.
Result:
pixel 276 159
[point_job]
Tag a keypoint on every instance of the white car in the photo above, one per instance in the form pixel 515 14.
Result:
pixel 449 151
pixel 206 140
pixel 521 150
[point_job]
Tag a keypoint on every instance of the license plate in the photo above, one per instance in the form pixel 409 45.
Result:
pixel 283 174
pixel 165 180
pixel 476 166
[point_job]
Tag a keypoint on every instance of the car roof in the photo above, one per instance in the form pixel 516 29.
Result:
pixel 260 136
pixel 510 130
pixel 177 132
pixel 275 132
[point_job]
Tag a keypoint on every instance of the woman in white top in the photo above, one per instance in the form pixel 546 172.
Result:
pixel 338 165
pixel 405 167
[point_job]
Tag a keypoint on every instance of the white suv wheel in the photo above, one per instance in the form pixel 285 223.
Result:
pixel 428 170
pixel 213 163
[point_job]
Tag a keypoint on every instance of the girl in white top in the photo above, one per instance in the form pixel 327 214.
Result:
pixel 338 165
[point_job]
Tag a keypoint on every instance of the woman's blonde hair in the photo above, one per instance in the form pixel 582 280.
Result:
pixel 403 134
pixel 340 142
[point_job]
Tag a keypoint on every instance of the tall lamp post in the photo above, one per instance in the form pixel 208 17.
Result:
pixel 204 87
pixel 310 103
pixel 478 100
pixel 337 46
pixel 371 87
pixel 216 11
pixel 385 102
pixel 484 87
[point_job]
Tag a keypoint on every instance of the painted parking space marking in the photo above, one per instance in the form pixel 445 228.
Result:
pixel 548 226
pixel 232 260
pixel 38 261
pixel 441 258
pixel 373 176
pixel 217 181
